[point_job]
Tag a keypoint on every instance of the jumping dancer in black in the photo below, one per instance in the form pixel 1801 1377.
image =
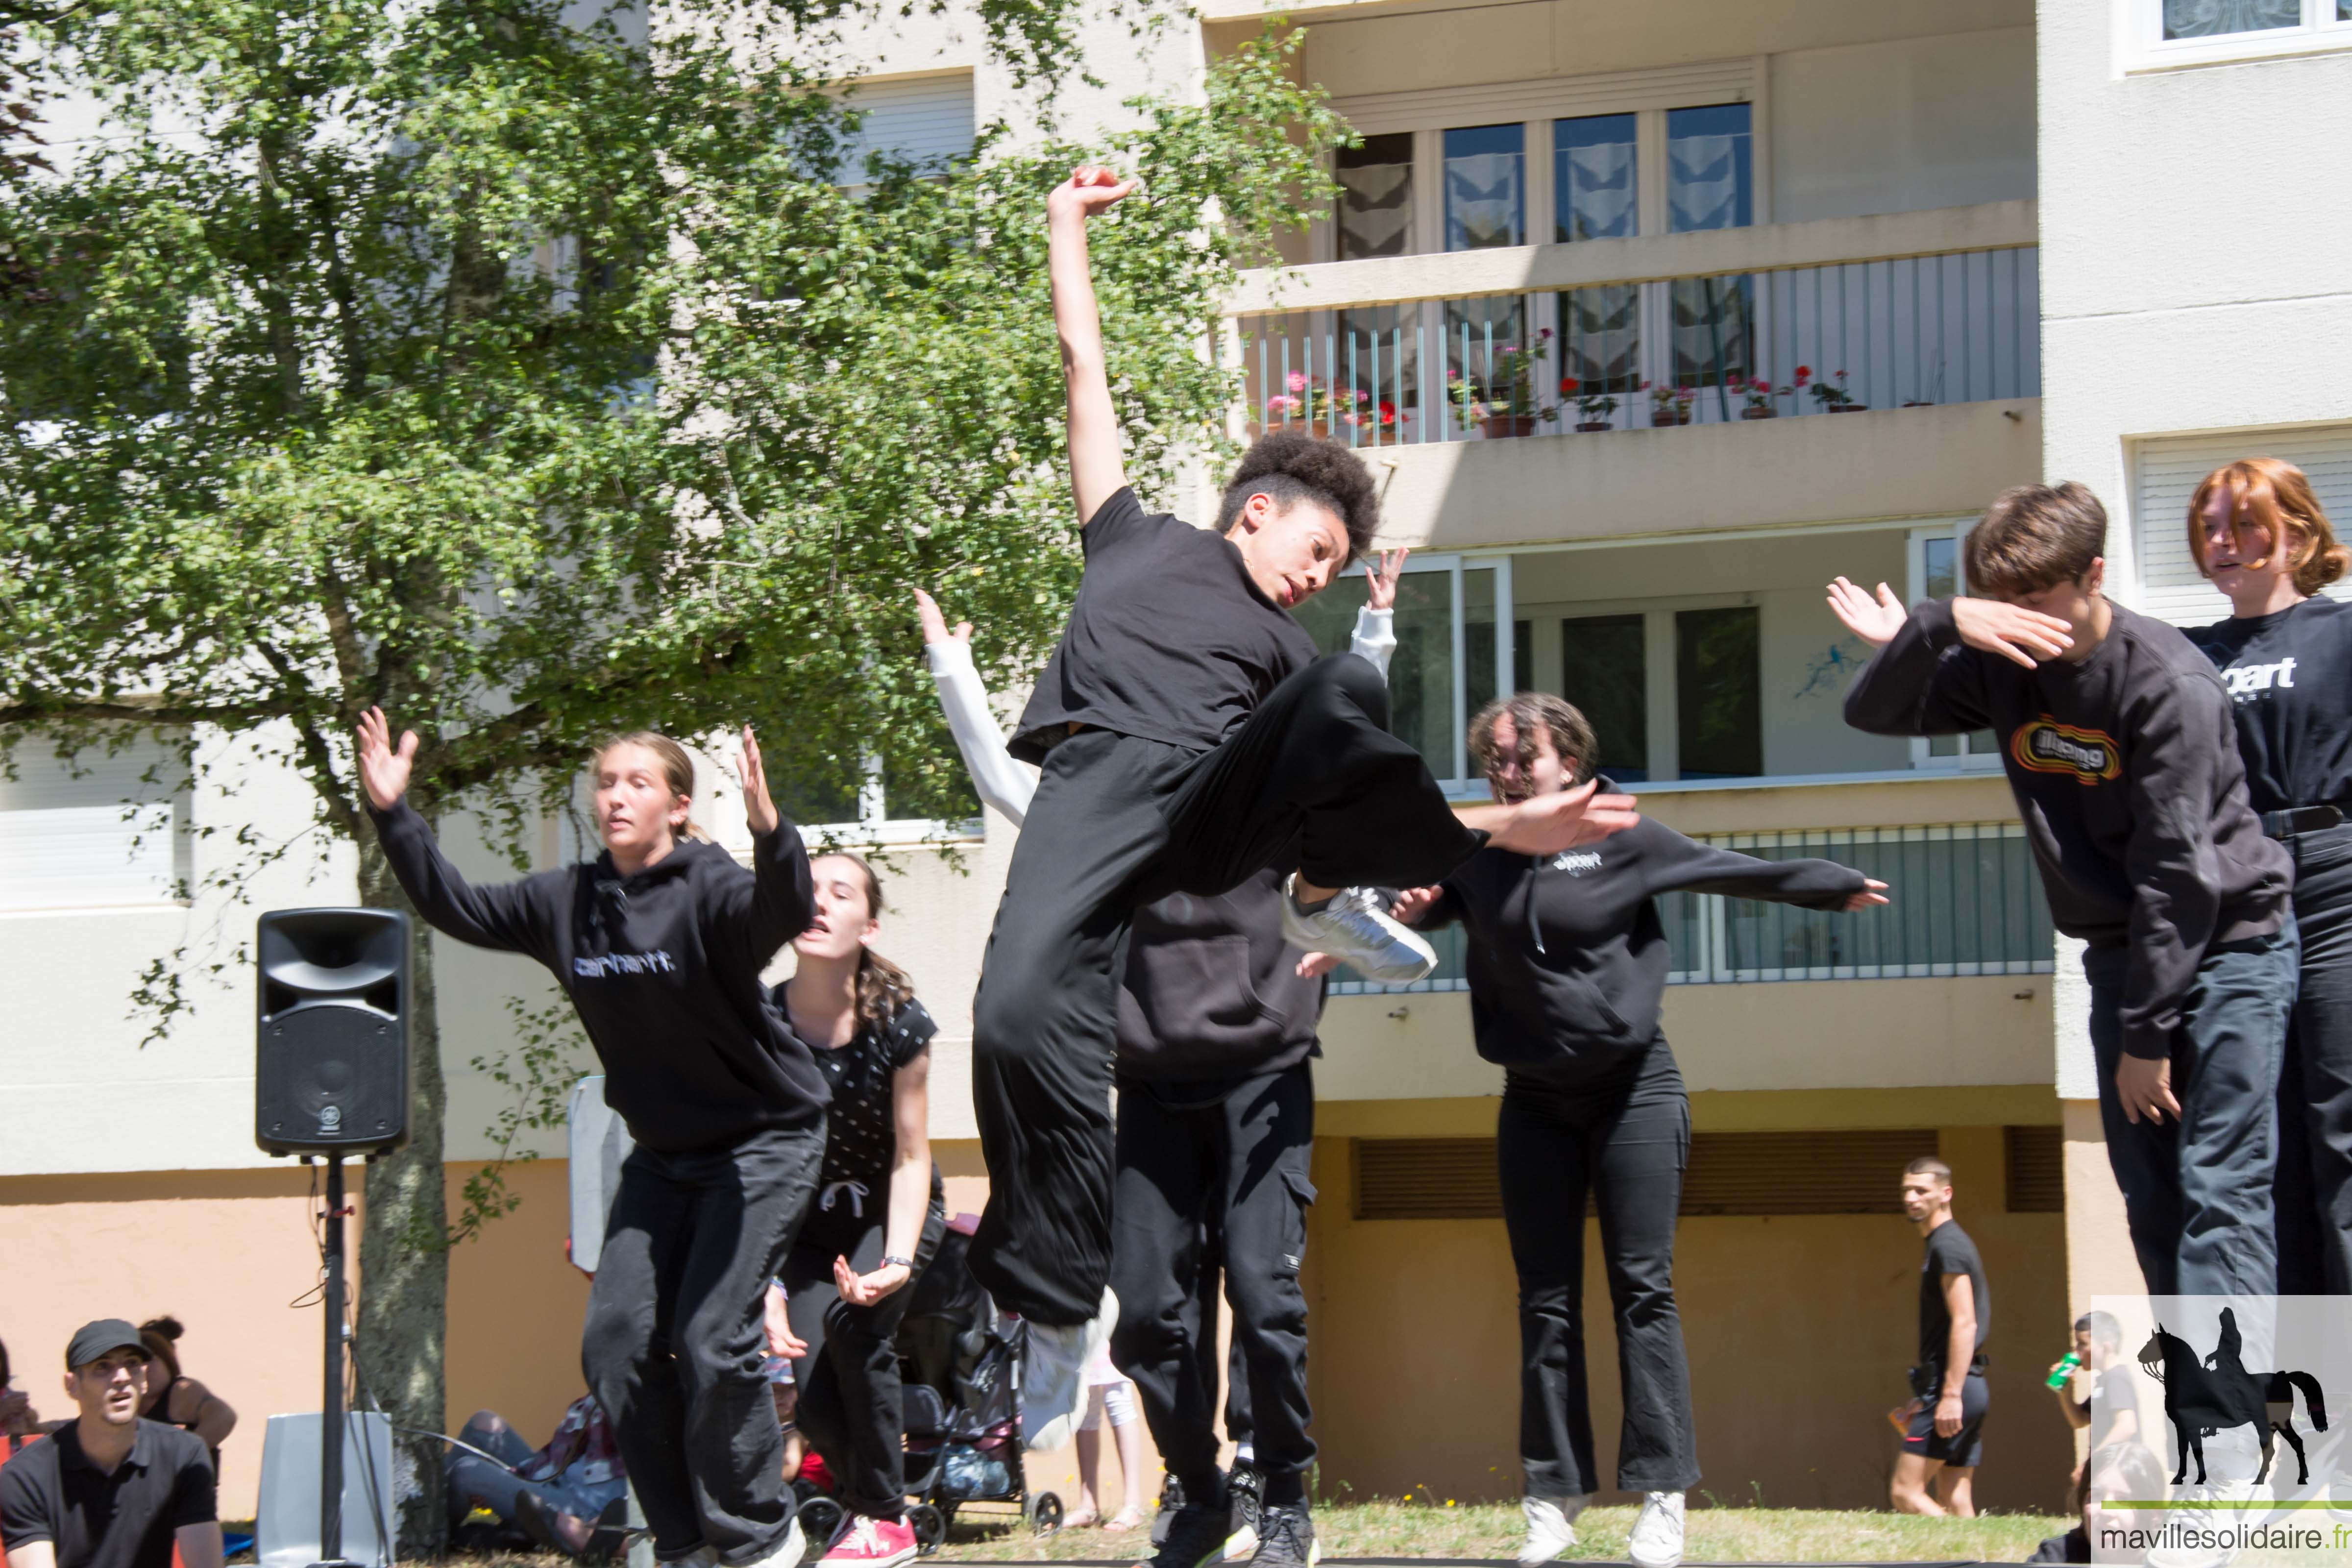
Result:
pixel 2285 654
pixel 660 942
pixel 879 1210
pixel 1568 973
pixel 1190 739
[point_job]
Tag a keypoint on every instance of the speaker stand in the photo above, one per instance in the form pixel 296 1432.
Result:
pixel 330 1418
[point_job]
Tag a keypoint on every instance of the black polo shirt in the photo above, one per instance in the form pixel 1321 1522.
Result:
pixel 50 1492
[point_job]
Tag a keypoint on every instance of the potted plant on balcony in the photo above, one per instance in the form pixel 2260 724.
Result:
pixel 1378 422
pixel 1512 408
pixel 1671 405
pixel 1834 398
pixel 1594 408
pixel 1758 393
pixel 1317 405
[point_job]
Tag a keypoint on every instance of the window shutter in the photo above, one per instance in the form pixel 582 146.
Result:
pixel 1843 1172
pixel 2166 475
pixel 925 120
pixel 2036 1169
pixel 68 842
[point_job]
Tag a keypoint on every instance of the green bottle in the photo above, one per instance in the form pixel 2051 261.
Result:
pixel 2064 1370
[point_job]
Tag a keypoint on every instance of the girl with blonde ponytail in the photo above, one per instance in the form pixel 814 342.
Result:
pixel 879 1210
pixel 660 942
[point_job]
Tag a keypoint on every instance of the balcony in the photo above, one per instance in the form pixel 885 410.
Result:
pixel 1666 384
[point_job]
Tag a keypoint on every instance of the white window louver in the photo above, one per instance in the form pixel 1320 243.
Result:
pixel 2166 474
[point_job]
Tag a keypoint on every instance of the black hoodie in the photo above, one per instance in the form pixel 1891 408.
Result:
pixel 663 967
pixel 1212 994
pixel 1568 957
pixel 2126 769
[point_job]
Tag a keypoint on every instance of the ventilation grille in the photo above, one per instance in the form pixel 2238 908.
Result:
pixel 1731 1174
pixel 2037 1170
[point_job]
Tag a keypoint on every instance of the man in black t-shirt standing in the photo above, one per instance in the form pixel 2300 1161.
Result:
pixel 1942 1424
pixel 110 1490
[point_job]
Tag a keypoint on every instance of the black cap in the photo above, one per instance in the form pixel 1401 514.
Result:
pixel 95 1340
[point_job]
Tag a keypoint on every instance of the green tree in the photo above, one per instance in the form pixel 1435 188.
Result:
pixel 537 379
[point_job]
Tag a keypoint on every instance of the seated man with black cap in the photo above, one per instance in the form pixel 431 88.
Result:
pixel 110 1490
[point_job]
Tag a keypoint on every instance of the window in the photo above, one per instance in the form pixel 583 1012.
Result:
pixel 1485 186
pixel 1449 659
pixel 1711 184
pixel 2192 32
pixel 1937 572
pixel 926 120
pixel 98 832
pixel 1719 692
pixel 1604 672
pixel 1375 207
pixel 1597 195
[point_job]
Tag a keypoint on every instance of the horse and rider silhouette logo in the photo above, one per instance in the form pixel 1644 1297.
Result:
pixel 2203 1397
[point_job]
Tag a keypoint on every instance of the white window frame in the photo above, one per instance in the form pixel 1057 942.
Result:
pixel 2146 48
pixel 1460 781
pixel 1968 759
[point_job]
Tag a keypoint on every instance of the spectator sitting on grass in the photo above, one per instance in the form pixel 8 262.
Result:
pixel 567 1496
pixel 108 1489
pixel 2122 1470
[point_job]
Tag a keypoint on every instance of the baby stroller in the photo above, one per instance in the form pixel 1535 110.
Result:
pixel 962 1372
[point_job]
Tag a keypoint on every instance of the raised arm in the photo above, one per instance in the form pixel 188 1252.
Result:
pixel 1002 782
pixel 1097 468
pixel 777 904
pixel 509 917
pixel 1375 638
pixel 1921 681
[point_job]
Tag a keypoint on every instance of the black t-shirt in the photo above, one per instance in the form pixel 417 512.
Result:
pixel 1949 1251
pixel 2114 1396
pixel 861 1130
pixel 1170 639
pixel 2290 679
pixel 50 1492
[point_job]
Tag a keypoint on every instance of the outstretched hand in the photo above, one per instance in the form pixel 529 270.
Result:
pixel 758 808
pixel 1548 824
pixel 1315 965
pixel 1090 190
pixel 384 771
pixel 1874 621
pixel 935 625
pixel 2015 633
pixel 865 1290
pixel 1380 582
pixel 1874 891
pixel 1413 903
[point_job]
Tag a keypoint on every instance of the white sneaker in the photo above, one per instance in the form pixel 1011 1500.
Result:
pixel 1356 928
pixel 787 1553
pixel 1051 1370
pixel 1657 1540
pixel 1551 1527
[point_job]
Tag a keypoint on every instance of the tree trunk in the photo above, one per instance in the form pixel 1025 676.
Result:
pixel 404 1286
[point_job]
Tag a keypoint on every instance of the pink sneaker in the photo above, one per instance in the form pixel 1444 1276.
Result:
pixel 874 1543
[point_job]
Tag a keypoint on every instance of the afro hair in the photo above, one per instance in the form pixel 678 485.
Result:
pixel 1288 466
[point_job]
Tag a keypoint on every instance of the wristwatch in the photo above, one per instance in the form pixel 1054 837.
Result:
pixel 906 1263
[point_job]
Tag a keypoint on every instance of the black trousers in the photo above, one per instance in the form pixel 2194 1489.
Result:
pixel 851 1407
pixel 1625 1140
pixel 1311 779
pixel 674 1343
pixel 2313 1191
pixel 1236 1166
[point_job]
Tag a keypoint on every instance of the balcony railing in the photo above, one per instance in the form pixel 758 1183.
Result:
pixel 1829 317
pixel 1966 900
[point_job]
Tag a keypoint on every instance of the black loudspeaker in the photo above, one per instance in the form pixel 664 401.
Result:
pixel 330 1059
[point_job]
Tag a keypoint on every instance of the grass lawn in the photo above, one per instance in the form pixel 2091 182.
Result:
pixel 1383 1528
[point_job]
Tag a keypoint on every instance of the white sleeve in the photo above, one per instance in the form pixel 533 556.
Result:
pixel 1002 782
pixel 1375 637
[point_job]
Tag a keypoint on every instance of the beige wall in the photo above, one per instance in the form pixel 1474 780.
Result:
pixel 1799 1330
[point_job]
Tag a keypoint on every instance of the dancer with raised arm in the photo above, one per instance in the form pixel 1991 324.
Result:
pixel 880 1208
pixel 1568 976
pixel 2259 534
pixel 1217 1015
pixel 1190 739
pixel 660 942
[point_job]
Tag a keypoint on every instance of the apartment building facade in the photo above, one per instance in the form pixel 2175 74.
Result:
pixel 1650 320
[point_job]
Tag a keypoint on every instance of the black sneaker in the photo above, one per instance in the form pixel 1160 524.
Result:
pixel 1171 1500
pixel 1196 1536
pixel 1243 1487
pixel 1286 1538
